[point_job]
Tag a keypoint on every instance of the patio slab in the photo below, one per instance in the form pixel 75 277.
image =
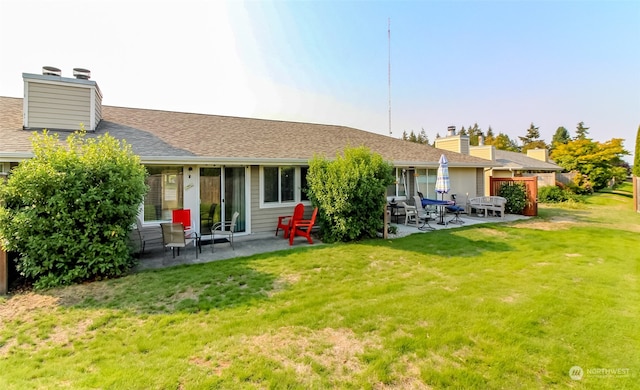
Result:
pixel 155 257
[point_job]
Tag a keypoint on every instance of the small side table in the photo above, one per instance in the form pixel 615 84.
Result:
pixel 393 207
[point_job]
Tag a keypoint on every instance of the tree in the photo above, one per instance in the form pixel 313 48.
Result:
pixel 503 142
pixel 474 134
pixel 489 139
pixel 349 193
pixel 532 139
pixel 636 157
pixel 419 139
pixel 561 136
pixel 581 131
pixel 68 211
pixel 598 162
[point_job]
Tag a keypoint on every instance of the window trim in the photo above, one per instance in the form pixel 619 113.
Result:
pixel 297 196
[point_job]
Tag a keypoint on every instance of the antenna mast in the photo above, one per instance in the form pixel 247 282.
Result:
pixel 389 75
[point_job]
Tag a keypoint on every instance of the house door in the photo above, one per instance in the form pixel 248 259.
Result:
pixel 222 192
pixel 234 196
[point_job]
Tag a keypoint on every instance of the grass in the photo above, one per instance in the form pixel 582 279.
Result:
pixel 486 306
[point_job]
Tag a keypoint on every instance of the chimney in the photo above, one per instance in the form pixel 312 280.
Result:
pixel 51 71
pixel 81 73
pixel 539 154
pixel 453 142
pixel 481 140
pixel 54 102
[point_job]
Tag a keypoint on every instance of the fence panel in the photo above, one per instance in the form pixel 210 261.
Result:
pixel 531 184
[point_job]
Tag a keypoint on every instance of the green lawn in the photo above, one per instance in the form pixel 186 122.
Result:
pixel 487 306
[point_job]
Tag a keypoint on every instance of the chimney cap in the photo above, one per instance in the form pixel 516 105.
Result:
pixel 451 130
pixel 51 71
pixel 81 73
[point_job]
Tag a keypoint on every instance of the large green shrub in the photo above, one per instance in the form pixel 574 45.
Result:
pixel 67 212
pixel 350 193
pixel 555 194
pixel 516 195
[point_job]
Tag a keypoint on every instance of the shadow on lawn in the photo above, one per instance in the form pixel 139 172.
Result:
pixel 191 288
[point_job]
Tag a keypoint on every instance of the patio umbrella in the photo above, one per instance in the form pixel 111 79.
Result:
pixel 442 182
pixel 442 178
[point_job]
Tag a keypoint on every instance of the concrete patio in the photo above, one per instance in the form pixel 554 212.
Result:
pixel 155 257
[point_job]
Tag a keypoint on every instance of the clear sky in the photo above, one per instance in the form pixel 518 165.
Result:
pixel 503 64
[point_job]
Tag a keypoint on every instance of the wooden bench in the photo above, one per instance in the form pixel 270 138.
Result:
pixel 488 203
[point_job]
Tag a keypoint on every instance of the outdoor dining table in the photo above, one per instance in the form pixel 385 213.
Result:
pixel 441 203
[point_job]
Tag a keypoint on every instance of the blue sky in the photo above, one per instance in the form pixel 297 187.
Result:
pixel 503 64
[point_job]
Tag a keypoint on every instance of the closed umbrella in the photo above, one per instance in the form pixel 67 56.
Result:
pixel 442 182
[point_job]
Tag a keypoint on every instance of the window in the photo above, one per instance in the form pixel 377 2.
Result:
pixel 398 189
pixel 165 192
pixel 283 184
pixel 303 183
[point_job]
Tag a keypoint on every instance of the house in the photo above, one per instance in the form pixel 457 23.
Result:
pixel 507 164
pixel 254 166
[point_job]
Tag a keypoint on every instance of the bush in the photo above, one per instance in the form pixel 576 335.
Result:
pixel 516 195
pixel 350 194
pixel 68 211
pixel 555 194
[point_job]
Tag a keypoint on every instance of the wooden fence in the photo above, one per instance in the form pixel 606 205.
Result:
pixel 636 193
pixel 531 184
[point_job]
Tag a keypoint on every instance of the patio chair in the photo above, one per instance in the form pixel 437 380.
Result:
pixel 302 227
pixel 143 237
pixel 456 210
pixel 411 214
pixel 422 215
pixel 286 221
pixel 225 229
pixel 175 237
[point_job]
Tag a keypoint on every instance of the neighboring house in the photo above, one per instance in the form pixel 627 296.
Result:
pixel 254 166
pixel 508 164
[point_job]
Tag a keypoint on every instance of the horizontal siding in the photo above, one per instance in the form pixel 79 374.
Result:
pixel 265 219
pixel 58 107
pixel 98 107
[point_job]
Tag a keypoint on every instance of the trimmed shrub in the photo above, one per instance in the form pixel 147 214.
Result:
pixel 555 194
pixel 516 195
pixel 349 193
pixel 68 211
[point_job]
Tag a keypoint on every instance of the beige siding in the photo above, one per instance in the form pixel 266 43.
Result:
pixel 265 219
pixel 456 143
pixel 462 181
pixel 480 180
pixel 485 152
pixel 97 108
pixel 58 107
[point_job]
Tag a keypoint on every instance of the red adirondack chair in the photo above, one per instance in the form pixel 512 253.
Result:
pixel 302 227
pixel 286 221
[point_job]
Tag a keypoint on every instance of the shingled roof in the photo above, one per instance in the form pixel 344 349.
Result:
pixel 521 162
pixel 177 136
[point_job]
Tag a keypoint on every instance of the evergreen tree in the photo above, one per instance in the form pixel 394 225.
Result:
pixel 581 131
pixel 561 136
pixel 503 142
pixel 532 139
pixel 489 139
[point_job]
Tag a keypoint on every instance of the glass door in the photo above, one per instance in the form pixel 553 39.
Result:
pixel 235 196
pixel 222 192
pixel 210 199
